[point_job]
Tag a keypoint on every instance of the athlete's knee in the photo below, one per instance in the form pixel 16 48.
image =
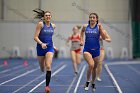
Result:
pixel 78 62
pixel 91 66
pixel 48 67
pixel 100 63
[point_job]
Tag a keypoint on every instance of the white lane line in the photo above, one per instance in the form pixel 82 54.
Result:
pixel 18 67
pixel 53 86
pixel 79 80
pixel 4 71
pixel 15 72
pixel 28 83
pixel 124 63
pixel 135 70
pixel 100 87
pixel 45 79
pixel 19 76
pixel 113 78
pixel 70 86
pixel 37 77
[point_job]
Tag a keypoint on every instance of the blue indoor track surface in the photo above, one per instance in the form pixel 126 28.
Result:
pixel 24 76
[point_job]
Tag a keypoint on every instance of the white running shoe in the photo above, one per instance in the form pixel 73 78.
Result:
pixel 98 79
pixel 86 86
pixel 93 87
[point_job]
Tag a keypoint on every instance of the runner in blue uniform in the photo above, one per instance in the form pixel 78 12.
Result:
pixel 91 50
pixel 45 48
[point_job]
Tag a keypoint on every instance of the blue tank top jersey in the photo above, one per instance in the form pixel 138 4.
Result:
pixel 46 34
pixel 92 37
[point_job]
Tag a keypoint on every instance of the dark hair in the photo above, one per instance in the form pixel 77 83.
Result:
pixel 95 15
pixel 40 13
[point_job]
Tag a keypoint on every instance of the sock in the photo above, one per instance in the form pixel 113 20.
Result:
pixel 48 77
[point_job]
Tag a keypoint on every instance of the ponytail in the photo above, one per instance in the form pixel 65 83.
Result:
pixel 39 13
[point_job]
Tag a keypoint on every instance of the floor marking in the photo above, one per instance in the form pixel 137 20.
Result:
pixel 82 72
pixel 28 83
pixel 45 80
pixel 112 77
pixel 19 76
pixel 17 71
pixel 70 86
pixel 52 86
pixel 135 70
pixel 123 63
